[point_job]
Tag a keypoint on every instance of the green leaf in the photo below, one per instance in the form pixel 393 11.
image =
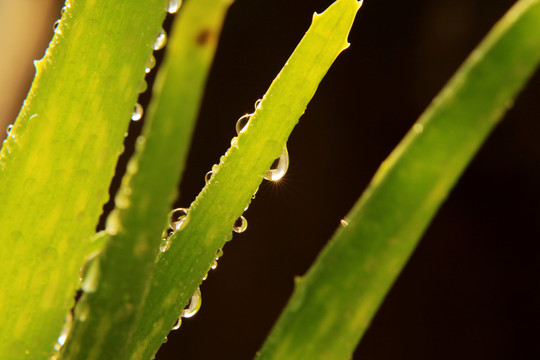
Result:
pixel 334 303
pixel 211 216
pixel 107 316
pixel 58 162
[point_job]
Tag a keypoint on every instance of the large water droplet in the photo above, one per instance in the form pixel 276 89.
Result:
pixel 194 304
pixel 161 40
pixel 150 63
pixel 279 167
pixel 177 217
pixel 173 6
pixel 241 124
pixel 240 225
pixel 137 112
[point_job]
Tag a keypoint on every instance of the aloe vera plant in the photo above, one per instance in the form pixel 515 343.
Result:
pixel 133 325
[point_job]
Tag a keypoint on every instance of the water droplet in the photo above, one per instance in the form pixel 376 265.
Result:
pixel 165 339
pixel 167 233
pixel 177 217
pixel 90 278
pixel 65 332
pixel 344 223
pixel 234 141
pixel 173 6
pixel 84 268
pixel 161 40
pixel 240 225
pixel 55 25
pixel 177 324
pixel 194 305
pixel 241 124
pixel 214 265
pixel 258 104
pixel 137 112
pixel 418 128
pixel 208 176
pixel 279 167
pixel 205 276
pixel 142 86
pixel 150 63
pixel 8 129
pixel 165 245
pixel 82 310
pixel 219 253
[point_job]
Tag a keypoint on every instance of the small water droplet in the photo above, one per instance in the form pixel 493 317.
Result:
pixel 208 176
pixel 279 167
pixel 90 276
pixel 258 104
pixel 150 63
pixel 165 339
pixel 177 217
pixel 234 141
pixel 173 6
pixel 137 112
pixel 241 124
pixel 55 25
pixel 161 40
pixel 65 332
pixel 142 86
pixel 165 245
pixel 194 304
pixel 219 253
pixel 205 276
pixel 418 128
pixel 82 310
pixel 240 225
pixel 167 233
pixel 344 223
pixel 8 129
pixel 177 324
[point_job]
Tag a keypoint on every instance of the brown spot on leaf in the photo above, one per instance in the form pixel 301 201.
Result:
pixel 204 37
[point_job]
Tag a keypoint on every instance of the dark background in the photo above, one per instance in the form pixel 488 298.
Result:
pixel 471 289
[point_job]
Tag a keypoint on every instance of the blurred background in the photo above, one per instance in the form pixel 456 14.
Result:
pixel 472 288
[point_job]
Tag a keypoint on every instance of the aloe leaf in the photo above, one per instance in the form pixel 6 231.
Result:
pixel 58 162
pixel 333 304
pixel 209 222
pixel 106 316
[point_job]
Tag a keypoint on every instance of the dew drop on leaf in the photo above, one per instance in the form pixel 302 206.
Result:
pixel 194 305
pixel 241 124
pixel 279 167
pixel 137 112
pixel 161 40
pixel 208 176
pixel 173 6
pixel 177 218
pixel 177 324
pixel 240 225
pixel 150 63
